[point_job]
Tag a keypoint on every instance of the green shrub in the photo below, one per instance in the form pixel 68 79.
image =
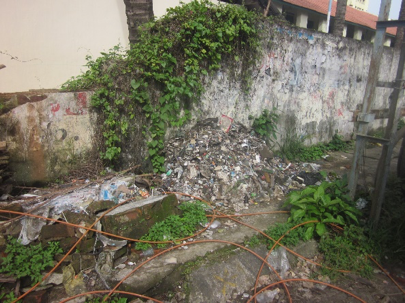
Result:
pixel 326 203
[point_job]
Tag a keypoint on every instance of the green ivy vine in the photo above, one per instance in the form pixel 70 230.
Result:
pixel 161 75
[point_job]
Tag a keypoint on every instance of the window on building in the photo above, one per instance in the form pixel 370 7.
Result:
pixel 350 31
pixel 290 17
pixel 311 24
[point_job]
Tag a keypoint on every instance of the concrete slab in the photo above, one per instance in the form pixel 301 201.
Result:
pixel 225 281
pixel 134 219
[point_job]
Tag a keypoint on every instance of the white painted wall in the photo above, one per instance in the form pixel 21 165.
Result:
pixel 49 39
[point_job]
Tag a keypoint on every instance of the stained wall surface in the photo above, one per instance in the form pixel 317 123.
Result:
pixel 315 81
pixel 47 136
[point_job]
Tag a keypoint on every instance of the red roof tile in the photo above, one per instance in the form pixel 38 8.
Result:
pixel 352 15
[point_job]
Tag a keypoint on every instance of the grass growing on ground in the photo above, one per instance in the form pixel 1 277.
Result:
pixel 293 148
pixel 176 227
pixel 390 234
pixel 347 250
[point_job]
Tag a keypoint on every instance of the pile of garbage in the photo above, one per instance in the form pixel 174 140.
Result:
pixel 218 160
pixel 223 162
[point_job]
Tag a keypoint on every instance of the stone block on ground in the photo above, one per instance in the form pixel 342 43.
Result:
pixel 36 297
pixel 134 219
pixel 102 205
pixel 56 232
pixel 86 245
pixel 9 207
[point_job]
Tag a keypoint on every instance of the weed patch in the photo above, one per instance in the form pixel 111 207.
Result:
pixel 390 235
pixel 293 148
pixel 112 299
pixel 28 261
pixel 176 227
pixel 265 126
pixel 347 251
pixel 292 237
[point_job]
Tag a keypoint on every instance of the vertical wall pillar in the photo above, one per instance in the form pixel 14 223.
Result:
pixel 302 20
pixel 345 31
pixel 278 7
pixel 322 25
pixel 358 34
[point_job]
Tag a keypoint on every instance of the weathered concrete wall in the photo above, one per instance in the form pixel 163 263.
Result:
pixel 316 81
pixel 48 135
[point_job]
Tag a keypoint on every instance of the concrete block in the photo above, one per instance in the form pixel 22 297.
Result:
pixel 102 205
pixel 56 232
pixel 134 219
pixel 12 207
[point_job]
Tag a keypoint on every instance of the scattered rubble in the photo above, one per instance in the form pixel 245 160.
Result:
pixel 230 166
pixel 218 160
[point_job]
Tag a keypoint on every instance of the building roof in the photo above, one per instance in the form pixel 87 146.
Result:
pixel 352 15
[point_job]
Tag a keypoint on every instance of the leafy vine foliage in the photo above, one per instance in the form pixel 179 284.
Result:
pixel 160 77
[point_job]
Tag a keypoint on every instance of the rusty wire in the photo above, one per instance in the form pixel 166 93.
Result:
pixel 215 215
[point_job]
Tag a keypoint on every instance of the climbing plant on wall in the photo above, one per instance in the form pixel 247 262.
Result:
pixel 162 74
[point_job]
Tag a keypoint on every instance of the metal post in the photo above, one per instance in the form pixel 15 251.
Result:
pixel 328 17
pixel 369 95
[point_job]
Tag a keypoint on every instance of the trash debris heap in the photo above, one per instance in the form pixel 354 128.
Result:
pixel 231 167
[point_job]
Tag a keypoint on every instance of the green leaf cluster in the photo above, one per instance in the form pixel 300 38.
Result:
pixel 326 203
pixel 162 74
pixel 176 227
pixel 265 126
pixel 7 297
pixel 28 261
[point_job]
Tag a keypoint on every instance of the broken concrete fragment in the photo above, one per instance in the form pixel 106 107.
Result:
pixel 87 245
pixel 9 207
pixel 37 296
pixel 134 219
pixel 97 206
pixel 74 284
pixel 67 243
pixel 81 261
pixel 112 244
pixel 56 232
pixel 54 278
pixel 105 262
